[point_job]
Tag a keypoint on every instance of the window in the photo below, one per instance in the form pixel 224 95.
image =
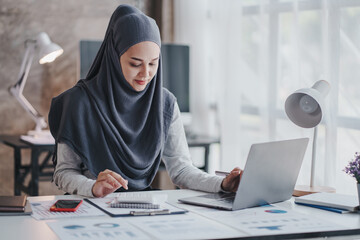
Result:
pixel 254 53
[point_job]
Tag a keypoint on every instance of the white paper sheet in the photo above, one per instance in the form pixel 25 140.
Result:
pixel 184 226
pixel 41 211
pixel 269 220
pixel 97 229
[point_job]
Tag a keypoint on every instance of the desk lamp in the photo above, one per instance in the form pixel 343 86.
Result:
pixel 305 108
pixel 48 52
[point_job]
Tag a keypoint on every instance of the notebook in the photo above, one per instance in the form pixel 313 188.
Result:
pixel 14 206
pixel 331 200
pixel 135 204
pixel 140 200
pixel 269 176
pixel 12 203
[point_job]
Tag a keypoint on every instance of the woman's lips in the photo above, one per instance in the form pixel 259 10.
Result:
pixel 140 82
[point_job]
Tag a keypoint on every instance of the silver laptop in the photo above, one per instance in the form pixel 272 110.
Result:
pixel 269 176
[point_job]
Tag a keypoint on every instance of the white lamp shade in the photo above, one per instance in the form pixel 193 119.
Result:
pixel 305 106
pixel 48 51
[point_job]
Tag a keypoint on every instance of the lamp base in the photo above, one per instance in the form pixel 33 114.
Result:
pixel 301 190
pixel 42 137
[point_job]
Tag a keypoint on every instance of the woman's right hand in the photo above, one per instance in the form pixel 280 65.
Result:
pixel 108 182
pixel 231 182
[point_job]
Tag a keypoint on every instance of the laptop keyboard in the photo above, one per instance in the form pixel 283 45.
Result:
pixel 227 200
pixel 223 197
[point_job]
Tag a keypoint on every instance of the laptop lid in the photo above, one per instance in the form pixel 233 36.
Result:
pixel 269 176
pixel 270 173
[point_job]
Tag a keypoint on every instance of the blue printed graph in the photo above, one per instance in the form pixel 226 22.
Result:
pixel 73 227
pixel 272 228
pixel 275 211
pixel 106 225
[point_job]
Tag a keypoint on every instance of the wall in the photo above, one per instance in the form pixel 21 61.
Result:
pixel 66 22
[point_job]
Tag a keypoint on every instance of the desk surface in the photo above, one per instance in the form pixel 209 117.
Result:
pixel 15 142
pixel 26 227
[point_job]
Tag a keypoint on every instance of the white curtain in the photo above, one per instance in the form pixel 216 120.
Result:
pixel 248 56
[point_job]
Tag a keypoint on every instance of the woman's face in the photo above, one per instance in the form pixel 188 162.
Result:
pixel 139 64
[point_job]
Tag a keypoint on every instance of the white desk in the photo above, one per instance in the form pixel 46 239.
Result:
pixel 26 227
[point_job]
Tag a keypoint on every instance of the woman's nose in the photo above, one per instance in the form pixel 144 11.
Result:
pixel 145 71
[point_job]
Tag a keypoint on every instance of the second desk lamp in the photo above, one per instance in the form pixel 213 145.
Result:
pixel 305 108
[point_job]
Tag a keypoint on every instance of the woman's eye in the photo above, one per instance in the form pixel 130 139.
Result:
pixel 135 65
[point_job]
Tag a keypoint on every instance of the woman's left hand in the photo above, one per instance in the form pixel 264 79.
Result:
pixel 231 182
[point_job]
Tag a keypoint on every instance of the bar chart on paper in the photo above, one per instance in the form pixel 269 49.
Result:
pixel 270 220
pixel 284 223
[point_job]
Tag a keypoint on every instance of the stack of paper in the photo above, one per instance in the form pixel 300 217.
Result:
pixel 330 201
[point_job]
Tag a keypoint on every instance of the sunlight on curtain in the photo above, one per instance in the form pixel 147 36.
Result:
pixel 248 56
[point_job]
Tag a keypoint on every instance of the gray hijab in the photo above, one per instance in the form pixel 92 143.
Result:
pixel 104 120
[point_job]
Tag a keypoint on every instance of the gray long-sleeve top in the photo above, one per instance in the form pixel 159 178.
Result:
pixel 72 176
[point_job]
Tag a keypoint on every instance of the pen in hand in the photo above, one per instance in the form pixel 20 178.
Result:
pixel 221 173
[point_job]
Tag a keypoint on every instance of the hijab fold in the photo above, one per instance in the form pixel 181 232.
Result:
pixel 104 120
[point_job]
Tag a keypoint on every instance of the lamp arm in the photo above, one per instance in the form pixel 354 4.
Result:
pixel 17 89
pixel 313 157
pixel 26 64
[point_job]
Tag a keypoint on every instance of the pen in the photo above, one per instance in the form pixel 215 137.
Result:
pixel 150 213
pixel 222 173
pixel 331 209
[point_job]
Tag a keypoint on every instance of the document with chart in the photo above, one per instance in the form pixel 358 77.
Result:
pixel 183 226
pixel 269 220
pixel 96 229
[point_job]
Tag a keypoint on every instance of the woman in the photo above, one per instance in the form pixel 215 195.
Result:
pixel 113 128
